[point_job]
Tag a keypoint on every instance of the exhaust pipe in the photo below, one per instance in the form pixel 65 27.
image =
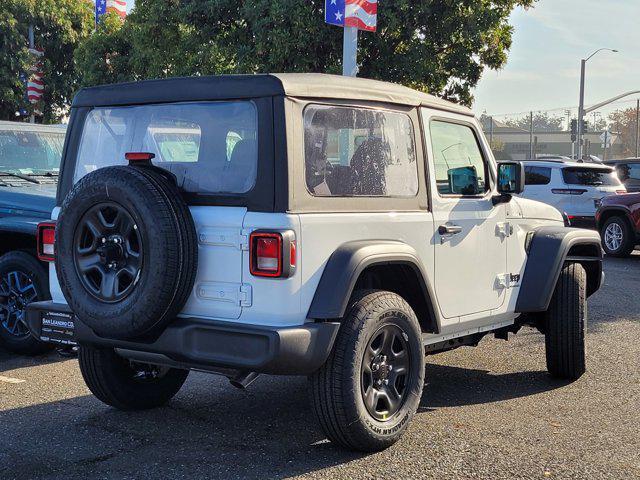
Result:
pixel 243 379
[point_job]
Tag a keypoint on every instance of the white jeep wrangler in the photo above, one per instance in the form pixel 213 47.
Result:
pixel 298 224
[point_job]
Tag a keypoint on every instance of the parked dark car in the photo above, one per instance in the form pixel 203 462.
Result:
pixel 628 172
pixel 618 220
pixel 29 162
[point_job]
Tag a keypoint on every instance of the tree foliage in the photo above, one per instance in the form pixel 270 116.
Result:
pixel 542 122
pixel 440 46
pixel 624 124
pixel 60 25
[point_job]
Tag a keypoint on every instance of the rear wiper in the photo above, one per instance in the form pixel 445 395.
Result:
pixel 19 175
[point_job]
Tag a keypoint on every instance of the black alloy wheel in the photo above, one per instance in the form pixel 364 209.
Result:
pixel 17 290
pixel 108 253
pixel 385 372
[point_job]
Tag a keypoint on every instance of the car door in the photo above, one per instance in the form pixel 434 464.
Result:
pixel 470 232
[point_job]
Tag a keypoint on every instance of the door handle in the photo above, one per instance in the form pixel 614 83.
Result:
pixel 449 229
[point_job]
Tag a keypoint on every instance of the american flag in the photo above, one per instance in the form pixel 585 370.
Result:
pixel 362 14
pixel 35 83
pixel 117 6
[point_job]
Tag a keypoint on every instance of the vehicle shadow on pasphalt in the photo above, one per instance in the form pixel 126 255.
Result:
pixel 449 386
pixel 211 430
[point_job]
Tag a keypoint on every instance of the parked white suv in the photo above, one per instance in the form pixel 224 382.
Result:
pixel 576 189
pixel 308 224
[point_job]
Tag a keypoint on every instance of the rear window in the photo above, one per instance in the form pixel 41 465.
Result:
pixel 537 175
pixel 590 176
pixel 210 147
pixel 629 173
pixel 30 152
pixel 351 152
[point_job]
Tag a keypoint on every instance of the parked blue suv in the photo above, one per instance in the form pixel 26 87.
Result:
pixel 29 162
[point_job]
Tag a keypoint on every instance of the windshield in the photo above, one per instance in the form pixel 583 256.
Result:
pixel 30 152
pixel 210 147
pixel 590 176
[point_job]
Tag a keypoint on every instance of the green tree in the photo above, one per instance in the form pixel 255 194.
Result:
pixel 440 46
pixel 60 25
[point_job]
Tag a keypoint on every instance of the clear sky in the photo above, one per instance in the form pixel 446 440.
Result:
pixel 543 69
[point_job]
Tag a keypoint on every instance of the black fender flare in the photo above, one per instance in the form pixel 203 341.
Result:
pixel 550 248
pixel 346 264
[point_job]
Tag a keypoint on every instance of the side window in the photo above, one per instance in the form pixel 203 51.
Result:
pixel 460 168
pixel 351 152
pixel 537 175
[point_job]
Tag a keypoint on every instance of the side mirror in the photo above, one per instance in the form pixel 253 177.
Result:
pixel 510 178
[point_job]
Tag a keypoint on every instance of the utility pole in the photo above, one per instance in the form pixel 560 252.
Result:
pixel 491 131
pixel 531 136
pixel 32 45
pixel 638 129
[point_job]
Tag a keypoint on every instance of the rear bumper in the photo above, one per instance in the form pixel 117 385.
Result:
pixel 201 344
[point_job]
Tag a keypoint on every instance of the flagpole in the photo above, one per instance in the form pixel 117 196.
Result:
pixel 32 45
pixel 350 52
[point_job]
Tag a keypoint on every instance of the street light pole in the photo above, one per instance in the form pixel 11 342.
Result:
pixel 583 68
pixel 583 65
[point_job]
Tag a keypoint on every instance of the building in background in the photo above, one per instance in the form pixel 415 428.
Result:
pixel 513 143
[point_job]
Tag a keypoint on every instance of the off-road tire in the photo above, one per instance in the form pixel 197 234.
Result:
pixel 168 245
pixel 336 392
pixel 111 379
pixel 628 237
pixel 566 321
pixel 30 266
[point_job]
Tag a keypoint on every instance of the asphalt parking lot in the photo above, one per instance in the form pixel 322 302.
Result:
pixel 487 412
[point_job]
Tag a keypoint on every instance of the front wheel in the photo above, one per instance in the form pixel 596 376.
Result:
pixel 127 385
pixel 565 324
pixel 23 280
pixel 370 387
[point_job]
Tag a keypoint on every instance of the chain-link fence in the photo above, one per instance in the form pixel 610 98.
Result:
pixel 610 134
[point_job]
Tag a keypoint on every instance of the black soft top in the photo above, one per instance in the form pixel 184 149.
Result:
pixel 180 89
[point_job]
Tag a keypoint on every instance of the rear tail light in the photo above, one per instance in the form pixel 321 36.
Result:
pixel 568 191
pixel 46 241
pixel 272 254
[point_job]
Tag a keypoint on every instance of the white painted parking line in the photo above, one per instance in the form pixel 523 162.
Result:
pixel 10 380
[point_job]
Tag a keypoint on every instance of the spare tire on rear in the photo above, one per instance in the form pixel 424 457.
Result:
pixel 126 251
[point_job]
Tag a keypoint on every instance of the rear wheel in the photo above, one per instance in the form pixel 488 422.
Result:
pixel 127 385
pixel 618 239
pixel 565 324
pixel 22 280
pixel 370 387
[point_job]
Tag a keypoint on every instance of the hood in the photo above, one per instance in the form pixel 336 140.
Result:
pixel 38 200
pixel 531 209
